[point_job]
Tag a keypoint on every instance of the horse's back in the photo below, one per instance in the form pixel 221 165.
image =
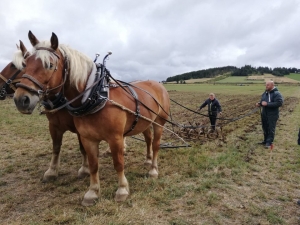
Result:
pixel 157 91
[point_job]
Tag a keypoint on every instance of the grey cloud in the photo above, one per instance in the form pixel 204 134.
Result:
pixel 157 39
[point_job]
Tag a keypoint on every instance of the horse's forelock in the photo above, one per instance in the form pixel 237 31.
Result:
pixel 45 56
pixel 18 60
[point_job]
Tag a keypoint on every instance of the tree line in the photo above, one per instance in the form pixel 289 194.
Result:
pixel 277 71
pixel 234 71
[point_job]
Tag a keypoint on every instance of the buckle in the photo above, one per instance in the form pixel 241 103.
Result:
pixel 2 93
pixel 40 92
pixel 9 81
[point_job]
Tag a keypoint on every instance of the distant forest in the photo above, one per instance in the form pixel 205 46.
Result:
pixel 234 71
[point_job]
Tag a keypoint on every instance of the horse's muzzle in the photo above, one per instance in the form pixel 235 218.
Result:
pixel 25 103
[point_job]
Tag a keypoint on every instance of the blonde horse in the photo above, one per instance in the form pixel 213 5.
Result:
pixel 59 122
pixel 47 75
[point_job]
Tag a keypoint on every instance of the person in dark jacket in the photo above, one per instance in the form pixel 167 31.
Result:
pixel 214 108
pixel 270 102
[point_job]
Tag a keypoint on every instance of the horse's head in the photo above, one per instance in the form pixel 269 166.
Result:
pixel 44 74
pixel 12 72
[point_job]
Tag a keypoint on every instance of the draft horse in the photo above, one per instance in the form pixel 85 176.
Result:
pixel 59 122
pixel 46 74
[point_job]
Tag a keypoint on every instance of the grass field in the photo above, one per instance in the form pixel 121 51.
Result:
pixel 228 181
pixel 229 89
pixel 294 76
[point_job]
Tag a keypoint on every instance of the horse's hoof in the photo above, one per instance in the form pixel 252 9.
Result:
pixel 153 173
pixel 148 163
pixel 50 175
pixel 121 194
pixel 83 172
pixel 89 198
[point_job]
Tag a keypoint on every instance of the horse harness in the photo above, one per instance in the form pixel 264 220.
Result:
pixel 99 95
pixel 96 99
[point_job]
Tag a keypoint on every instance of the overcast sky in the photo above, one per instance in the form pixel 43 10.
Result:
pixel 160 38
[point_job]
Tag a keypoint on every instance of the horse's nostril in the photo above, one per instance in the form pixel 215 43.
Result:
pixel 25 101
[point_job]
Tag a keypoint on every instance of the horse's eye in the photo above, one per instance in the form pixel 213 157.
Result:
pixel 50 66
pixel 12 66
pixel 23 64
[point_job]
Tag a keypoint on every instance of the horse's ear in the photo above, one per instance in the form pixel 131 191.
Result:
pixel 54 41
pixel 23 48
pixel 18 47
pixel 33 40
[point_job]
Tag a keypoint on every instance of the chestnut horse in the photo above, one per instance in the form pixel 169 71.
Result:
pixel 45 71
pixel 59 122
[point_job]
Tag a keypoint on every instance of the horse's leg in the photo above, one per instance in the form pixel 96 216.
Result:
pixel 148 139
pixel 117 151
pixel 56 136
pixel 84 169
pixel 155 147
pixel 92 151
pixel 125 146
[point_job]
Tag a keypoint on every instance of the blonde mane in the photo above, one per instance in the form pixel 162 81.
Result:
pixel 80 64
pixel 18 60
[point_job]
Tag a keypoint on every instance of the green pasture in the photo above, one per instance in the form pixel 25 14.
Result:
pixel 239 80
pixel 254 89
pixel 295 76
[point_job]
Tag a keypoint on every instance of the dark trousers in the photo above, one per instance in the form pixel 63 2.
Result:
pixel 213 120
pixel 269 125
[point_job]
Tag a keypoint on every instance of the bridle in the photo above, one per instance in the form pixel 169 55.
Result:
pixel 9 83
pixel 44 91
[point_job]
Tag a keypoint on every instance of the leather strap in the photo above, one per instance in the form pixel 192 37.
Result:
pixel 35 81
pixel 135 96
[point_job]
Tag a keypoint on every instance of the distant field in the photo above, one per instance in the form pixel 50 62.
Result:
pixel 294 76
pixel 218 89
pixel 238 80
pixel 261 79
pixel 191 81
pixel 278 80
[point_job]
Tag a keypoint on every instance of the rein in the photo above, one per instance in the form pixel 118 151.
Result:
pixel 219 118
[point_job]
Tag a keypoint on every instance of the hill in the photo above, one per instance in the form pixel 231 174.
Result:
pixel 292 73
pixel 207 73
